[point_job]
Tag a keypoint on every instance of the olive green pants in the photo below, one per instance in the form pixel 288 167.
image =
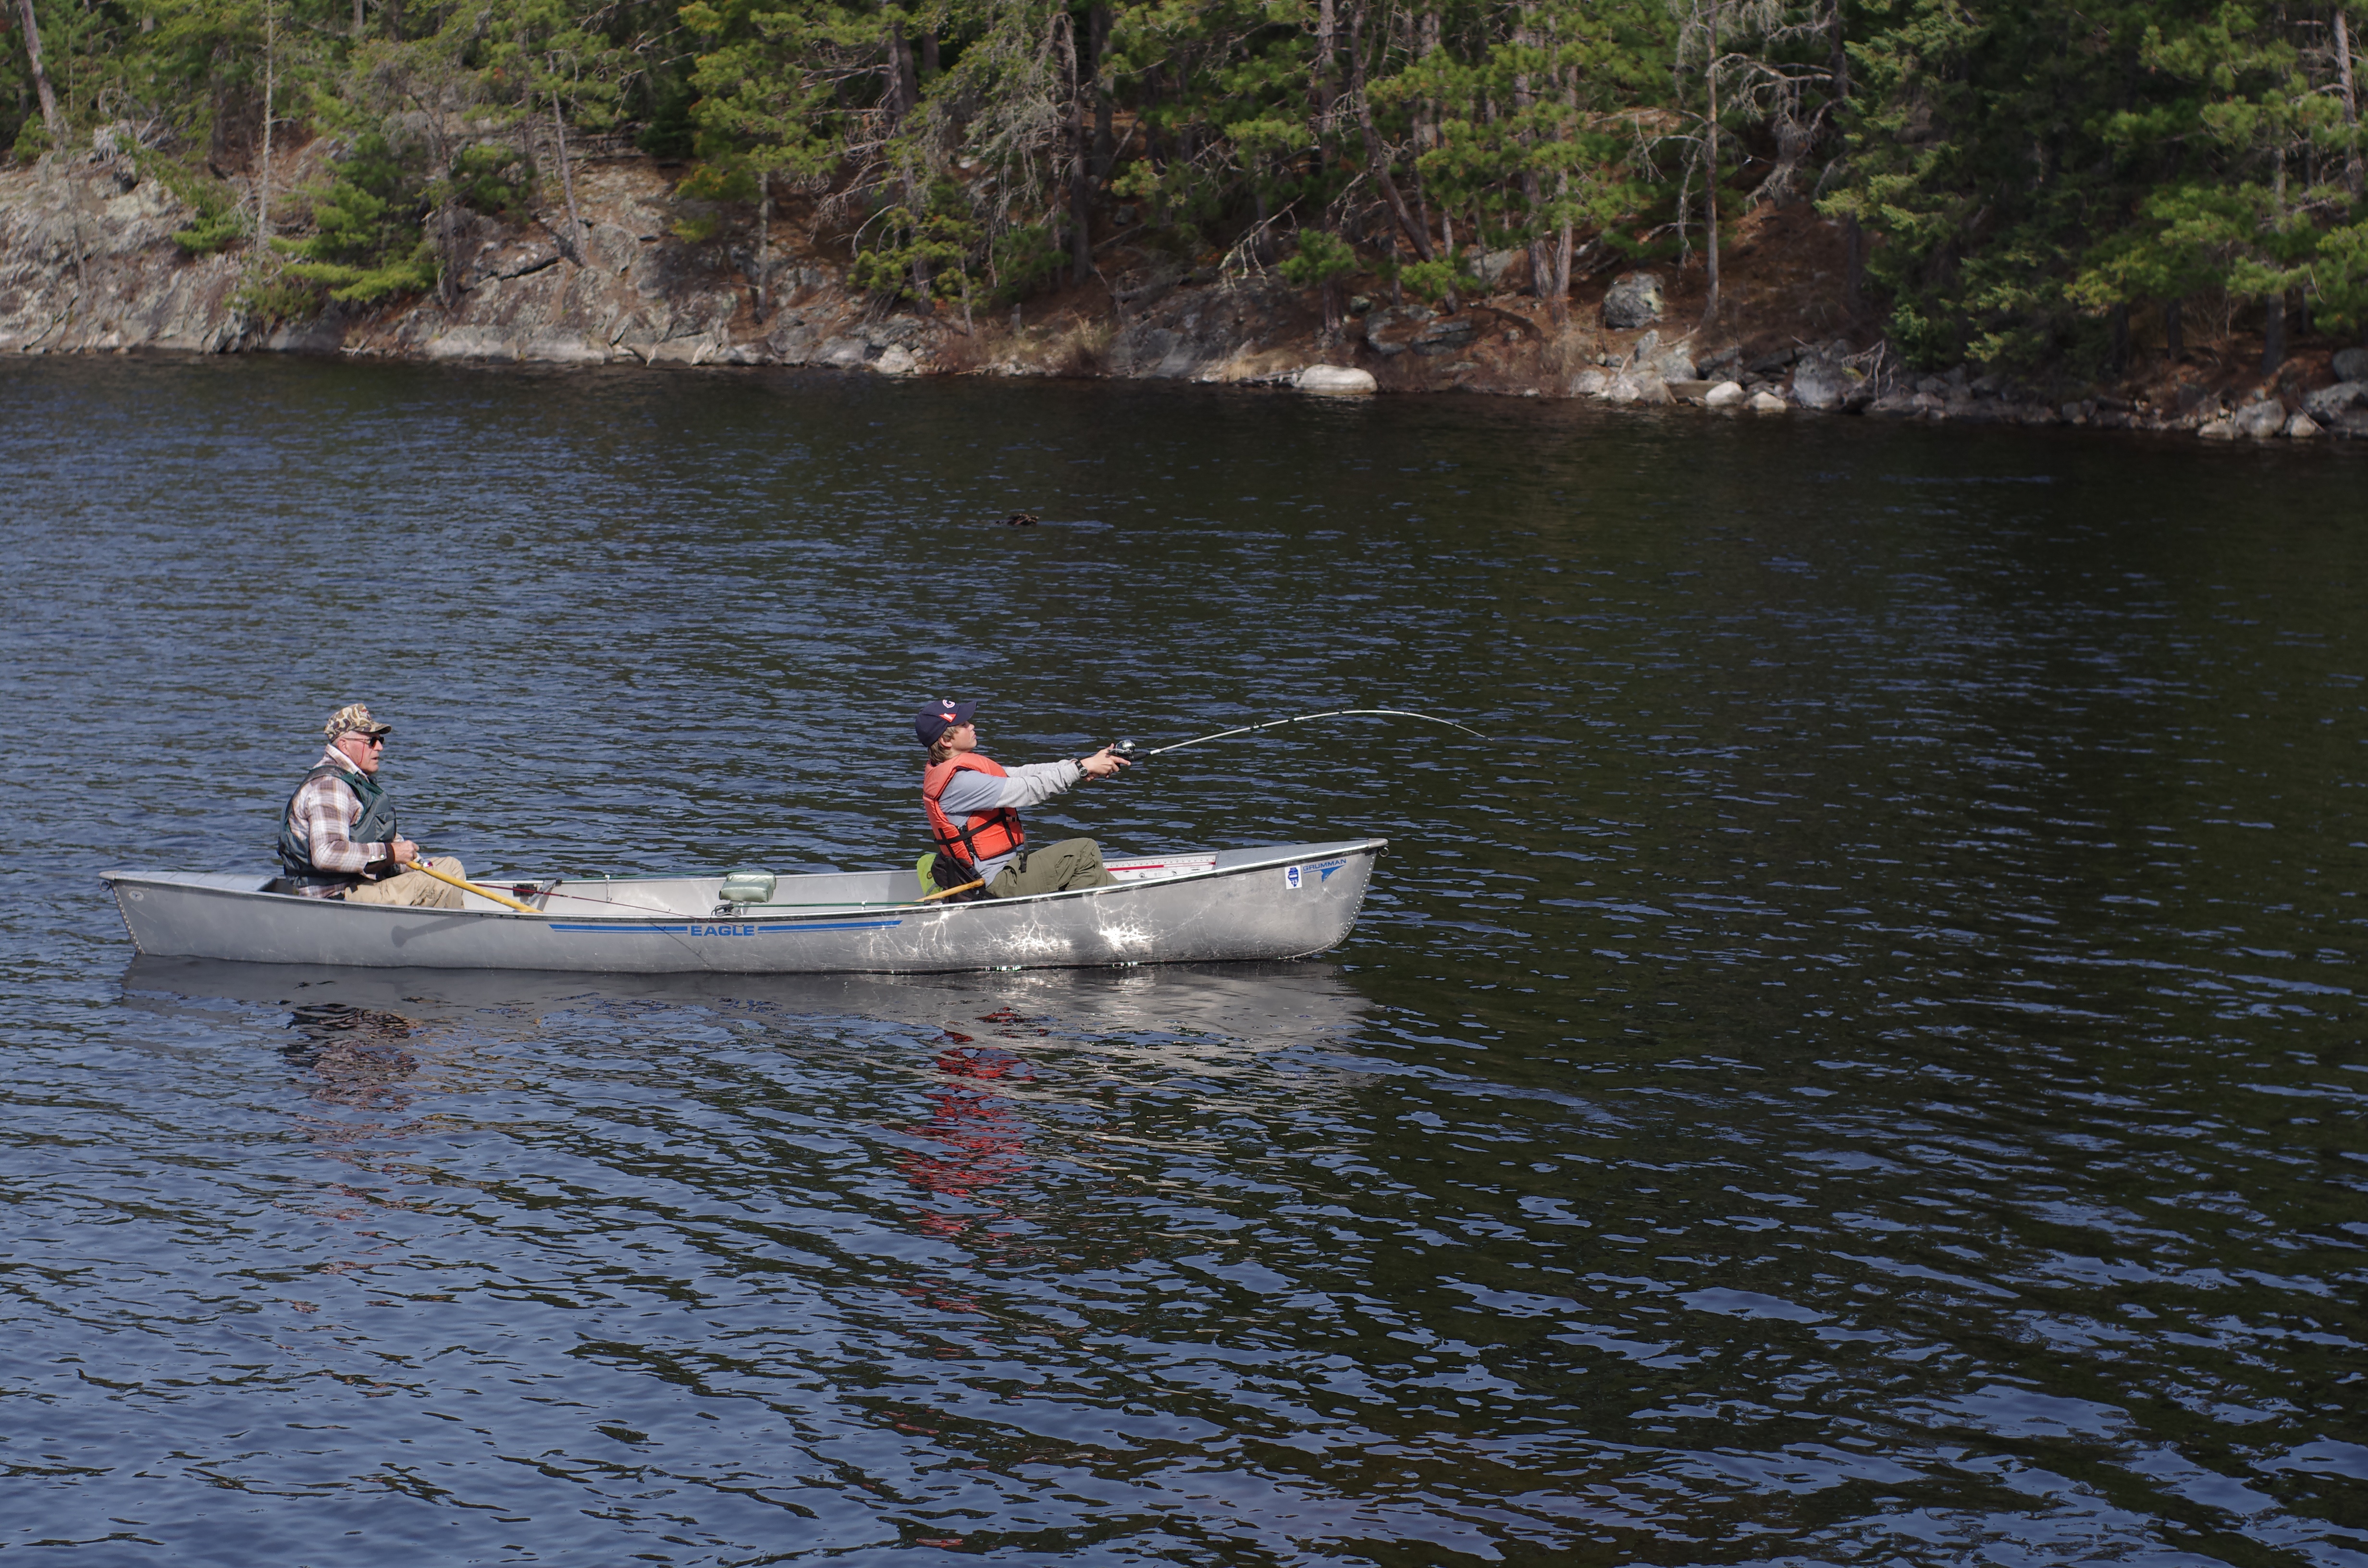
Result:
pixel 1057 867
pixel 416 890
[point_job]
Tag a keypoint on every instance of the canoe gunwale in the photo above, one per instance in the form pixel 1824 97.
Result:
pixel 1283 856
pixel 1217 913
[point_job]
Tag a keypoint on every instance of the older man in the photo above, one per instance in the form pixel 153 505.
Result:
pixel 973 804
pixel 337 837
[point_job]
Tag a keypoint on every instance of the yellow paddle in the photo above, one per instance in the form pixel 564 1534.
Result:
pixel 948 893
pixel 471 887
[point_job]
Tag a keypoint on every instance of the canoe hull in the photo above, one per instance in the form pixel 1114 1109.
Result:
pixel 1279 902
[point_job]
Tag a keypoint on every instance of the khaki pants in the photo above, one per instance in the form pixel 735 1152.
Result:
pixel 1057 867
pixel 416 890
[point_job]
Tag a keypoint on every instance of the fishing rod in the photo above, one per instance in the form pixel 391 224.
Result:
pixel 1126 748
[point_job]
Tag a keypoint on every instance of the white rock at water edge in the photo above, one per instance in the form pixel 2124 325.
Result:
pixel 895 360
pixel 2301 427
pixel 1767 403
pixel 2260 420
pixel 1726 395
pixel 1339 380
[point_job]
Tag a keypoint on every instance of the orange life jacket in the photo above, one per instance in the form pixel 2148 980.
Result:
pixel 987 834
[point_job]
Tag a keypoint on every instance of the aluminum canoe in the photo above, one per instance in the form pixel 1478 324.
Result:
pixel 1276 902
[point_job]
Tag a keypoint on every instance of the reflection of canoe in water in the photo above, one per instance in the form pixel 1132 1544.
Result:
pixel 1194 1013
pixel 1275 903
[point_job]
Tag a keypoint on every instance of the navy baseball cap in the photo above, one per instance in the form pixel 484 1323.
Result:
pixel 940 716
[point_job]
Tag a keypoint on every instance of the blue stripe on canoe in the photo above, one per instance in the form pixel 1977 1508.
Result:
pixel 767 928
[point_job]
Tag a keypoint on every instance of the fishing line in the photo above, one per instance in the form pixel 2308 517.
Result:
pixel 1126 748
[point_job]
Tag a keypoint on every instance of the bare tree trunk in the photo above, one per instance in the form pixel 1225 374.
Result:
pixel 2174 341
pixel 1081 242
pixel 1319 71
pixel 1097 23
pixel 1532 192
pixel 2273 330
pixel 1558 300
pixel 764 244
pixel 1854 237
pixel 1561 305
pixel 930 51
pixel 358 20
pixel 1709 186
pixel 2350 101
pixel 901 93
pixel 270 81
pixel 1377 157
pixel 40 73
pixel 567 185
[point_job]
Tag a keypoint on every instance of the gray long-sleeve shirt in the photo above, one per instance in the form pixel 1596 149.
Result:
pixel 970 791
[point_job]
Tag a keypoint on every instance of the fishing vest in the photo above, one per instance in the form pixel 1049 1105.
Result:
pixel 376 826
pixel 987 834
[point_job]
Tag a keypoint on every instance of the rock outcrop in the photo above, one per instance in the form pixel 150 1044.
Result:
pixel 88 263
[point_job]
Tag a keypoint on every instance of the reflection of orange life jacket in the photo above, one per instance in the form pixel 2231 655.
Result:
pixel 987 834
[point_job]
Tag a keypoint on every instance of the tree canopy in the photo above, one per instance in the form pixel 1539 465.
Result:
pixel 2021 181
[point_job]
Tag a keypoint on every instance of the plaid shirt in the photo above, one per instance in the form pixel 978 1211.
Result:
pixel 323 811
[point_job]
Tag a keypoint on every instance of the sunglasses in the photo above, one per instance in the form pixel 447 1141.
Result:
pixel 372 740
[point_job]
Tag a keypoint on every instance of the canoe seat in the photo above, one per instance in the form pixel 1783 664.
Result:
pixel 748 887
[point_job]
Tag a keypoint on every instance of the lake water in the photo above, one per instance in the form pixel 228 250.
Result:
pixel 1864 1066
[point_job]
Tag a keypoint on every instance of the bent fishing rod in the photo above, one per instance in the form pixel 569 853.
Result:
pixel 1126 748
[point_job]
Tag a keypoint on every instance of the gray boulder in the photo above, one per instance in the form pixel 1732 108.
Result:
pixel 2351 365
pixel 1767 403
pixel 1492 265
pixel 1634 300
pixel 1589 383
pixel 1822 384
pixel 1726 395
pixel 1675 363
pixel 2259 421
pixel 1638 386
pixel 2335 399
pixel 2301 428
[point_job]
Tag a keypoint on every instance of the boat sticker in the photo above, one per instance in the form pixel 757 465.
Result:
pixel 1291 876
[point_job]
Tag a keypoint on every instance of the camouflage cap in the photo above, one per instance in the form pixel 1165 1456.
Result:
pixel 353 717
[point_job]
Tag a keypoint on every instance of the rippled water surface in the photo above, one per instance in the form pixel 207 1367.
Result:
pixel 1863 1066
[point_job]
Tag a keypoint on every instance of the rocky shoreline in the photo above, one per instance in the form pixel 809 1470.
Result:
pixel 88 266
